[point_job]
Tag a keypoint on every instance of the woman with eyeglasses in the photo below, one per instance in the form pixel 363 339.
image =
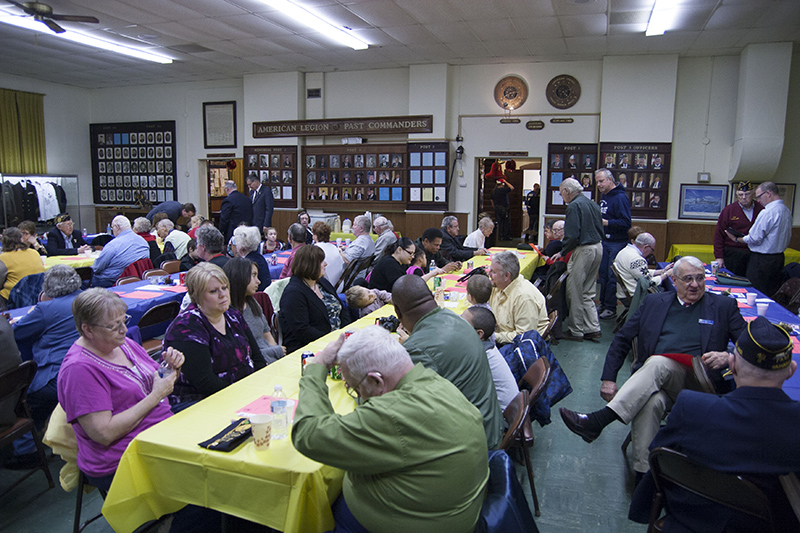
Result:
pixel 393 263
pixel 110 389
pixel 220 349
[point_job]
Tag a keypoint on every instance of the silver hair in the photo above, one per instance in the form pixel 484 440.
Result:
pixel 768 186
pixel 297 232
pixel 210 237
pixel 247 239
pixel 60 280
pixel 645 239
pixel 372 349
pixel 383 222
pixel 166 223
pixel 572 186
pixel 686 260
pixel 509 262
pixel 606 174
pixel 363 222
pixel 230 185
pixel 142 225
pixel 561 226
pixel 485 222
pixel 122 222
pixel 448 221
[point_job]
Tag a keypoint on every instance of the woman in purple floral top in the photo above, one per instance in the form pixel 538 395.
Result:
pixel 218 345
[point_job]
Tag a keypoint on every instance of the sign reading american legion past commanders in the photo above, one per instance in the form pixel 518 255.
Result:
pixel 344 126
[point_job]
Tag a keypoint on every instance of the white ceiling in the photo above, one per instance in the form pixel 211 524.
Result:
pixel 222 39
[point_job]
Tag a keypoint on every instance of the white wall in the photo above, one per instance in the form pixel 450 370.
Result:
pixel 789 168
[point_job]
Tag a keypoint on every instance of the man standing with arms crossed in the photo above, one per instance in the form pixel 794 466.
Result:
pixel 583 231
pixel 767 240
pixel 616 211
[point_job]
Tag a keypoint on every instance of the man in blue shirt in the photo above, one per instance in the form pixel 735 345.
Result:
pixel 616 210
pixel 125 248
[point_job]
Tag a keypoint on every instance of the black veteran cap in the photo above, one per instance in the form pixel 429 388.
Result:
pixel 64 217
pixel 765 345
pixel 745 186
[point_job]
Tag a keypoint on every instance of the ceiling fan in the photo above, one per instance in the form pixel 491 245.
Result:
pixel 44 14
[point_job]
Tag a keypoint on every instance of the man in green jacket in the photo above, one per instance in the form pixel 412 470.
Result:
pixel 583 231
pixel 414 452
pixel 442 341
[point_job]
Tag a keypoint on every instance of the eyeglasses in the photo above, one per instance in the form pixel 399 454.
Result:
pixel 117 326
pixel 700 278
pixel 760 195
pixel 353 391
pixel 409 252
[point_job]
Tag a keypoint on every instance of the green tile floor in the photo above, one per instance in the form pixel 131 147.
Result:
pixel 581 487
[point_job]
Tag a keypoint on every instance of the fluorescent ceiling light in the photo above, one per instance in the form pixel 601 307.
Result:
pixel 313 21
pixel 31 24
pixel 661 18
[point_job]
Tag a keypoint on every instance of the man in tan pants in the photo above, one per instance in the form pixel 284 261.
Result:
pixel 583 233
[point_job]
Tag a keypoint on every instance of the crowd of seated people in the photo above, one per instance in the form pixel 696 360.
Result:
pixel 111 390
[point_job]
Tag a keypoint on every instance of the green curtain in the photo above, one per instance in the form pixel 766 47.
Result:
pixel 22 142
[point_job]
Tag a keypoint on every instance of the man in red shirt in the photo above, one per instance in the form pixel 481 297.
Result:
pixel 739 216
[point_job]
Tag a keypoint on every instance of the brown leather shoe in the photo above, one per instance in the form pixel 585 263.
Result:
pixel 595 336
pixel 570 337
pixel 577 423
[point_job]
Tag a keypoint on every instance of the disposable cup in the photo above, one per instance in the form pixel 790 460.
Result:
pixel 262 430
pixel 762 309
pixel 338 241
pixel 751 298
pixel 714 267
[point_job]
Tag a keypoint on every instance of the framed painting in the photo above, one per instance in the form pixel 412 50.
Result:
pixel 702 202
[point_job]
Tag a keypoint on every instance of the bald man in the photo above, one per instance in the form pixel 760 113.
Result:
pixel 442 341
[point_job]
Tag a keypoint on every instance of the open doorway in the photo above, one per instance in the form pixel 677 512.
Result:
pixel 526 172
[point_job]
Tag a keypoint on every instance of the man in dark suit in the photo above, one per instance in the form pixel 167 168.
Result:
pixel 173 209
pixel 687 322
pixel 235 209
pixel 263 204
pixel 64 239
pixel 749 431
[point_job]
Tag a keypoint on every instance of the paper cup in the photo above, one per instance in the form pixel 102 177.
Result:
pixel 338 241
pixel 751 298
pixel 262 431
pixel 762 309
pixel 347 242
pixel 714 267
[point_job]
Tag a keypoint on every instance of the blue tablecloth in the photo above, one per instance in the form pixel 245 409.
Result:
pixel 775 313
pixel 275 270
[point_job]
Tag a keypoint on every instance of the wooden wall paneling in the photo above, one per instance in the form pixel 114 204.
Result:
pixel 659 231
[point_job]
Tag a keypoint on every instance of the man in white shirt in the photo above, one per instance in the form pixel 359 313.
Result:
pixel 477 239
pixel 384 228
pixel 178 239
pixel 768 239
pixel 632 265
pixel 483 321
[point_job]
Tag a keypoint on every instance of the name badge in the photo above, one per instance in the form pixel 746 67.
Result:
pixel 704 321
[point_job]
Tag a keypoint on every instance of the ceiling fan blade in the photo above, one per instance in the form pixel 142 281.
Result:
pixel 52 25
pixel 75 18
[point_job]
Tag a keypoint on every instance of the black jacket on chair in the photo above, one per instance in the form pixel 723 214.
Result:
pixel 57 246
pixel 303 317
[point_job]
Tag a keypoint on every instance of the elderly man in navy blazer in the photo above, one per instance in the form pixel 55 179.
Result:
pixel 64 239
pixel 751 431
pixel 235 209
pixel 263 203
pixel 688 321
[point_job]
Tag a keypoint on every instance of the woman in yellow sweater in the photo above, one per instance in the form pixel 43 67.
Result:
pixel 19 259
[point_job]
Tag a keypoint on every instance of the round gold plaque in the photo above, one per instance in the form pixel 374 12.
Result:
pixel 511 92
pixel 563 91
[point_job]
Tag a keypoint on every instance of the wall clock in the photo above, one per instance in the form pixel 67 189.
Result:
pixel 511 92
pixel 563 91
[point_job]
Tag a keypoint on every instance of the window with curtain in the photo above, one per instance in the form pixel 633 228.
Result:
pixel 22 147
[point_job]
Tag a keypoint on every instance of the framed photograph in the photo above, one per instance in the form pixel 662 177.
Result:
pixel 702 202
pixel 219 124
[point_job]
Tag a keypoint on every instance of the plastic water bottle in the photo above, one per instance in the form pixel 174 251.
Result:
pixel 433 266
pixel 85 233
pixel 280 414
pixel 108 229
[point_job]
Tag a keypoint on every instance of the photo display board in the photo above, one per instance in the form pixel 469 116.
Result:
pixel 644 170
pixel 276 167
pixel 356 174
pixel 132 161
pixel 564 161
pixel 427 175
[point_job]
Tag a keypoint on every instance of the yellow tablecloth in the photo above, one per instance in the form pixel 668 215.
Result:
pixel 164 469
pixel 705 252
pixel 75 261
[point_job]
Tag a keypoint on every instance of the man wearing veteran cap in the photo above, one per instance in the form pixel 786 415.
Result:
pixel 739 216
pixel 63 239
pixel 752 431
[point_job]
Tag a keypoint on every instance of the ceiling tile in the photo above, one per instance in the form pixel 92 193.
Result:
pixel 594 46
pixel 514 47
pixel 470 49
pixel 739 16
pixel 451 32
pixel 785 13
pixel 427 12
pixel 539 28
pixel 596 7
pixel 498 29
pixel 541 47
pixel 583 25
pixel 479 9
pixel 211 8
pixel 527 9
pixel 414 34
pixel 717 39
pixel 382 13
pixel 432 52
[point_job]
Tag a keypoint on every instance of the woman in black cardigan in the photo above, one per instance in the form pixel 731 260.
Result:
pixel 310 307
